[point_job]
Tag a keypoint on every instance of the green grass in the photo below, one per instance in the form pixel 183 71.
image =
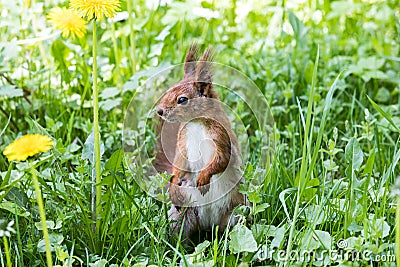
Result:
pixel 329 72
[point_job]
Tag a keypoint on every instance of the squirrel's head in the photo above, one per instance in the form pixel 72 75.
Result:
pixel 195 86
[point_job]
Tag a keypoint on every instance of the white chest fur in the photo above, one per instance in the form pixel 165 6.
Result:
pixel 200 148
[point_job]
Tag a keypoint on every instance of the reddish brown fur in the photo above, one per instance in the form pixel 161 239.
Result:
pixel 197 86
pixel 165 148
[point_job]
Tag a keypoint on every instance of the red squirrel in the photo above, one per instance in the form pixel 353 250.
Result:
pixel 204 187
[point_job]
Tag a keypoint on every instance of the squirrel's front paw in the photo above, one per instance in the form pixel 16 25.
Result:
pixel 204 189
pixel 203 185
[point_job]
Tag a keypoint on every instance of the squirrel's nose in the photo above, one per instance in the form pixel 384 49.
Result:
pixel 160 111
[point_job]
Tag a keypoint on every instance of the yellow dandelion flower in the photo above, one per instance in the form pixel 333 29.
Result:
pixel 68 21
pixel 95 8
pixel 27 146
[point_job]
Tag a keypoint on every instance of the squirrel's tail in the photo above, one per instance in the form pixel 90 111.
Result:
pixel 167 135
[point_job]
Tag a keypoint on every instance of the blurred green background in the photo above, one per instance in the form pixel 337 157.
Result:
pixel 45 87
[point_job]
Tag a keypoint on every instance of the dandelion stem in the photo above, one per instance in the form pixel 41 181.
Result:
pixel 116 55
pixel 42 217
pixel 131 36
pixel 96 129
pixel 7 251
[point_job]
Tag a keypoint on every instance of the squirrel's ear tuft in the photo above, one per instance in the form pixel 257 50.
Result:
pixel 208 55
pixel 204 72
pixel 191 60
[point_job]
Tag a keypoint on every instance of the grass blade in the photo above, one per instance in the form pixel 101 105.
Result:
pixel 384 114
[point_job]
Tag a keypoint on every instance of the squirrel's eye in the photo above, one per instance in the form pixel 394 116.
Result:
pixel 182 100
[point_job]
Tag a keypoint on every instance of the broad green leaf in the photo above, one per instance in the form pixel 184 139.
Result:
pixel 298 27
pixel 197 258
pixel 114 162
pixel 202 246
pixel 375 228
pixel 242 240
pixel 341 8
pixel 109 104
pixel 314 214
pixel 88 148
pixel 371 63
pixel 374 74
pixel 353 227
pixel 261 230
pixel 330 165
pixel 278 237
pixel 14 208
pixel 260 208
pixel 49 224
pixel 130 85
pixel 354 154
pixel 254 196
pixel 318 239
pixel 178 11
pixel 10 91
pixel 383 228
pixel 308 71
pixel 370 163
pixel 7 176
pixel 108 180
pixel 101 263
pixel 61 254
pixel 9 49
pixel 109 92
pixel 324 238
pixel 354 242
pixel 207 263
pixel 311 190
pixel 156 50
pixel 55 239
pixel 353 69
pixel 16 195
pixel 164 33
pixel 383 95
